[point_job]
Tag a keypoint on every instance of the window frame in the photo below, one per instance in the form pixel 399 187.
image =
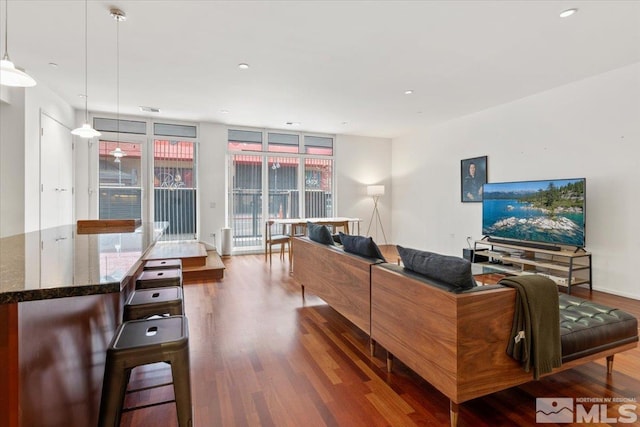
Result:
pixel 146 141
pixel 265 155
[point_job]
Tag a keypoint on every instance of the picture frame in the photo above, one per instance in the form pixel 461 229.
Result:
pixel 473 174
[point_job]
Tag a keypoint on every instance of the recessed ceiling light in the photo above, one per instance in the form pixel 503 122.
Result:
pixel 567 13
pixel 149 109
pixel 293 123
pixel 243 66
pixel 408 92
pixel 82 95
pixel 53 65
pixel 224 111
pixel 345 123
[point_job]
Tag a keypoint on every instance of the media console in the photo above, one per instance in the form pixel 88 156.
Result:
pixel 565 266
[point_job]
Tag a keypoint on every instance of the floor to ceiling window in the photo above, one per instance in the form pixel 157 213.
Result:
pixel 171 164
pixel 120 168
pixel 267 173
pixel 175 180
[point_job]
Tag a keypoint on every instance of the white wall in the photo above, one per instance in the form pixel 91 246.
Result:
pixel 39 99
pixel 589 128
pixel 11 162
pixel 362 161
pixel 211 180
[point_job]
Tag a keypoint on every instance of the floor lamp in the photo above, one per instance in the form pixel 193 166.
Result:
pixel 376 191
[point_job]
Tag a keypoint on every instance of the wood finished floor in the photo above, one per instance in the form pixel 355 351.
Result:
pixel 260 356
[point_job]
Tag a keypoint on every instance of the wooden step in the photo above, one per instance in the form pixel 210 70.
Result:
pixel 212 270
pixel 198 264
pixel 192 254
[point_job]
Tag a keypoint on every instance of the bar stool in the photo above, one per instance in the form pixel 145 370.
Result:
pixel 159 278
pixel 161 264
pixel 144 303
pixel 141 342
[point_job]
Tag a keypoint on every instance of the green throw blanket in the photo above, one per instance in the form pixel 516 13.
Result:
pixel 535 333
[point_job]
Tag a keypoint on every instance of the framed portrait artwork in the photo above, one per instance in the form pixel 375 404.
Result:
pixel 473 174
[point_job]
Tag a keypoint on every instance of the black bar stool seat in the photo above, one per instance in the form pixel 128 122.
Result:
pixel 144 303
pixel 159 278
pixel 161 264
pixel 141 342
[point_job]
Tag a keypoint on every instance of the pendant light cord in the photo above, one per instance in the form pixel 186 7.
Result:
pixel 118 78
pixel 5 57
pixel 86 66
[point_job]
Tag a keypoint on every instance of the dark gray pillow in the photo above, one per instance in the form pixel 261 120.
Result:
pixel 360 245
pixel 319 233
pixel 449 269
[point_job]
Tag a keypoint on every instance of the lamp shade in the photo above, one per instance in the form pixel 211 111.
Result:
pixel 12 76
pixel 375 190
pixel 86 131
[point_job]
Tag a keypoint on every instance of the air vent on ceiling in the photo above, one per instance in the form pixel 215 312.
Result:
pixel 149 109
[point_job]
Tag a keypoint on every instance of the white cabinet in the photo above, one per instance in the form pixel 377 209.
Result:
pixel 56 174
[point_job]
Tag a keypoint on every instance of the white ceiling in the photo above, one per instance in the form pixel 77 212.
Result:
pixel 334 66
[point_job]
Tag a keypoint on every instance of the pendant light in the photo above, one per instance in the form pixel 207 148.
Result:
pixel 119 16
pixel 86 130
pixel 9 74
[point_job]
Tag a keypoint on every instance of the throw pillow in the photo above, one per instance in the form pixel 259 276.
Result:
pixel 360 245
pixel 449 269
pixel 319 233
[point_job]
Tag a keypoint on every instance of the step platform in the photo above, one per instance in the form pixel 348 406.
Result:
pixel 198 264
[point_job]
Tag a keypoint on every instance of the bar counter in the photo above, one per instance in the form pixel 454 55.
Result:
pixel 61 297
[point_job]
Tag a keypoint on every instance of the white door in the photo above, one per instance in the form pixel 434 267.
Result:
pixel 56 173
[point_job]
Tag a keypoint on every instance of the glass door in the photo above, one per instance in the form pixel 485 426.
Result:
pixel 174 188
pixel 120 181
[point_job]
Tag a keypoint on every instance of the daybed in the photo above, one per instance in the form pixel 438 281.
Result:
pixel 455 339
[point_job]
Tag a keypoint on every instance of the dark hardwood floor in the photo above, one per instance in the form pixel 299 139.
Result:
pixel 260 356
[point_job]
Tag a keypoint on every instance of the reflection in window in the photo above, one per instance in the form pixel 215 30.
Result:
pixel 119 180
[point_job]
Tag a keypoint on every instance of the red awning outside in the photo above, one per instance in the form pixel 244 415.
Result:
pixel 292 161
pixel 130 149
pixel 181 150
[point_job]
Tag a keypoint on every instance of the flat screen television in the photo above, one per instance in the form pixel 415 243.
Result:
pixel 547 211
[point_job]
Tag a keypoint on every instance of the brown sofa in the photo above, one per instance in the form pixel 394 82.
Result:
pixel 456 340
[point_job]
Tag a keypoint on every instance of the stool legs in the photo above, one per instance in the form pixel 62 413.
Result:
pixel 182 391
pixel 114 389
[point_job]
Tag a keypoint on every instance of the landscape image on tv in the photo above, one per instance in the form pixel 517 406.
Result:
pixel 550 211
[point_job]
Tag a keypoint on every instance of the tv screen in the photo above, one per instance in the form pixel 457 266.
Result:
pixel 548 211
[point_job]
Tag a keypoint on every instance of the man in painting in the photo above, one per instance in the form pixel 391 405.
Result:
pixel 472 185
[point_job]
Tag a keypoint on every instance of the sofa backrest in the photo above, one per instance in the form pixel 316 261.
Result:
pixel 436 283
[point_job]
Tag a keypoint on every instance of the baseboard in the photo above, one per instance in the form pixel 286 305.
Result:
pixel 612 292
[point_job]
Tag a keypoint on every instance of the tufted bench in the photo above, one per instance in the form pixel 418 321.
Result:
pixel 588 328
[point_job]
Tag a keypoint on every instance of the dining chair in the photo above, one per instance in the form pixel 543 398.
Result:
pixel 275 234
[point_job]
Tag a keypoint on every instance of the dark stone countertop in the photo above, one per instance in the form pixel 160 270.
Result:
pixel 57 262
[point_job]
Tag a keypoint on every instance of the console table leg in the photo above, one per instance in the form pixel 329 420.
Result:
pixel 389 361
pixel 453 413
pixel 372 347
pixel 302 286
